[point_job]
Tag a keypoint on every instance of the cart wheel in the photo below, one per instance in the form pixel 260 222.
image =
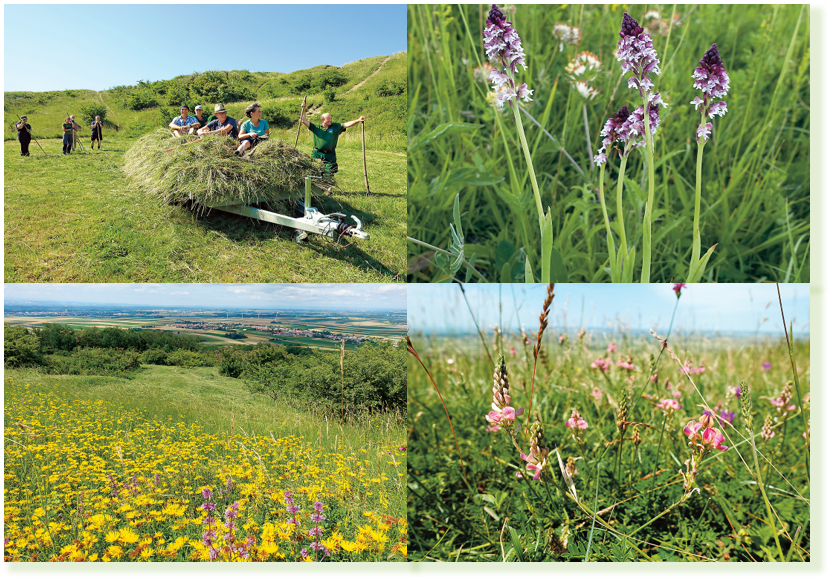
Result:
pixel 300 236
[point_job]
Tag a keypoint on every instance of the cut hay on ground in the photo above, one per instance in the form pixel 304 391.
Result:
pixel 207 172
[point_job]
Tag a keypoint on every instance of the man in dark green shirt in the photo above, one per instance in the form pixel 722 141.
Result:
pixel 326 139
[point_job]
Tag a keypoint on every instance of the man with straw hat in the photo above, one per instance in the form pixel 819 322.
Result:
pixel 184 124
pixel 222 125
pixel 24 135
pixel 326 139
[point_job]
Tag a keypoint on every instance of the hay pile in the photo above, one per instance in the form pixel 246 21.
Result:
pixel 207 172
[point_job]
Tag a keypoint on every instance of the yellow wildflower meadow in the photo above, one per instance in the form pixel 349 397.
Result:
pixel 92 481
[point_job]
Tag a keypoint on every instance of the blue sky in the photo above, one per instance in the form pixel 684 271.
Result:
pixel 727 308
pixel 98 46
pixel 301 296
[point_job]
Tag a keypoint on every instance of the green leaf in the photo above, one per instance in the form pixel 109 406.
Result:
pixel 516 544
pixel 529 274
pixel 443 130
pixel 489 510
pixel 558 267
pixel 547 242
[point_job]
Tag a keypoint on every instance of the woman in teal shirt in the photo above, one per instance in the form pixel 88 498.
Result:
pixel 253 129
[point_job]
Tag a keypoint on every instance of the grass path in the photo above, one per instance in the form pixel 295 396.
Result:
pixel 375 72
pixel 77 219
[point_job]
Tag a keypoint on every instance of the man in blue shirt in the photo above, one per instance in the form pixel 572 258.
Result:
pixel 184 124
pixel 222 125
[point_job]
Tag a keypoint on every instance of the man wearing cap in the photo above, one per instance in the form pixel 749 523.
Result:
pixel 200 118
pixel 75 129
pixel 326 139
pixel 97 128
pixel 222 125
pixel 24 135
pixel 183 124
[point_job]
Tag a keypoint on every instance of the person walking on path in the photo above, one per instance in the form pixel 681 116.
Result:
pixel 97 129
pixel 326 139
pixel 24 135
pixel 67 136
pixel 252 130
pixel 75 129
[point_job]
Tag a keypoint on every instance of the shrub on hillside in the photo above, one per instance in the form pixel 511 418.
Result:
pixel 278 116
pixel 21 348
pixel 232 362
pixel 94 361
pixel 91 110
pixel 182 358
pixel 154 357
pixel 329 94
pixel 141 100
pixel 55 337
pixel 333 77
pixel 391 88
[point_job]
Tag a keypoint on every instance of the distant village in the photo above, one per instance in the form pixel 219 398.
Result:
pixel 277 331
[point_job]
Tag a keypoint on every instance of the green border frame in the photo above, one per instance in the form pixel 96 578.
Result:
pixel 818 567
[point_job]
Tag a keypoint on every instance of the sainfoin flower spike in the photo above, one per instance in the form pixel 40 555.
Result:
pixel 537 457
pixel 504 49
pixel 502 414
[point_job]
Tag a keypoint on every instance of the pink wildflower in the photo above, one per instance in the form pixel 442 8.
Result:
pixel 596 393
pixel 602 364
pixel 677 288
pixel 612 347
pixel 576 421
pixel 782 405
pixel 766 366
pixel 653 378
pixel 669 404
pixel 626 365
pixel 513 351
pixel 713 438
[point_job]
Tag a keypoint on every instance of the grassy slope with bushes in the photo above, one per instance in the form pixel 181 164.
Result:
pixel 78 219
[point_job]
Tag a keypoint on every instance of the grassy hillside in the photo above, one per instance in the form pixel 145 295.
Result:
pixel 161 438
pixel 79 219
pixel 279 93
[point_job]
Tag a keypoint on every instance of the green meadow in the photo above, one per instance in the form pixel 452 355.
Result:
pixel 79 219
pixel 755 186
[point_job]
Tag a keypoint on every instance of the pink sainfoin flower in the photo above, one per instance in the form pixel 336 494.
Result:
pixel 653 378
pixel 702 439
pixel 669 405
pixel 502 415
pixel 513 351
pixel 602 364
pixel 504 49
pixel 691 369
pixel 766 366
pixel 807 436
pixel 576 421
pixel 783 402
pixel 537 458
pixel 596 393
pixel 710 437
pixel 626 364
pixel 677 288
pixel 612 347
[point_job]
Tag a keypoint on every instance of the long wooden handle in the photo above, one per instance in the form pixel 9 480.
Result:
pixel 299 123
pixel 363 147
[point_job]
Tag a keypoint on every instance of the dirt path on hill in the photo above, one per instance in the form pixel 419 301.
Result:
pixel 375 72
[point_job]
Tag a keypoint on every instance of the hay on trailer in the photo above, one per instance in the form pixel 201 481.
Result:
pixel 207 172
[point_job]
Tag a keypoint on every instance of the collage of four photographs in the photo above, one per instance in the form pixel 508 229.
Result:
pixel 365 300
